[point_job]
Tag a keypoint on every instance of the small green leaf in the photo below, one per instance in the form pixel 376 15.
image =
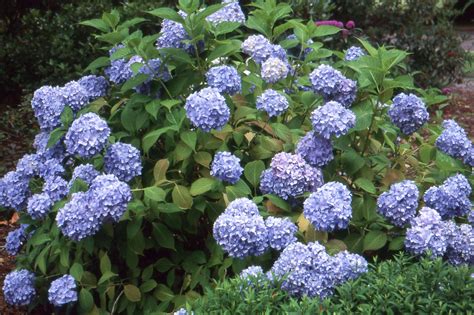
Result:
pixel 167 13
pixel 325 30
pixel 96 23
pixel 132 293
pixel 252 172
pixel 397 243
pixel 190 138
pixel 365 184
pixel 203 158
pixel 148 285
pixel 163 235
pixel 163 293
pixel 153 107
pixel 160 169
pixel 202 185
pixel 182 197
pixel 150 138
pixel 352 162
pixel 67 116
pixel 374 240
pixel 76 271
pixel 105 264
pixel 86 301
pixel 55 136
pixel 279 202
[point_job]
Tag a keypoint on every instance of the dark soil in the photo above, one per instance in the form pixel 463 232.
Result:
pixel 461 107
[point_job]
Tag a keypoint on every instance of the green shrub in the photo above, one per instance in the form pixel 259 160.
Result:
pixel 403 285
pixel 161 252
pixel 424 28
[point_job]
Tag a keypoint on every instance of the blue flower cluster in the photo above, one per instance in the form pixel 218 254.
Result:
pixel 29 165
pixel 63 291
pixel 399 203
pixel 207 109
pixel 84 172
pixel 87 136
pixel 47 107
pixel 316 150
pixel 225 79
pixel 56 188
pixel 307 270
pixel 173 35
pixel 251 272
pixel 241 234
pixel 259 48
pixel 123 160
pixel 408 112
pixel 332 119
pixel 182 311
pixel 95 86
pixel 281 232
pixel 39 205
pixel 332 85
pixel 460 238
pixel 451 199
pixel 354 53
pixel 105 201
pixel 349 267
pixel 15 239
pixel 427 233
pixel 231 12
pixel 290 176
pixel 242 206
pixel 50 168
pixel 119 70
pixel 329 208
pixel 57 151
pixel 272 102
pixel 226 167
pixel 19 287
pixel 454 142
pixel 14 190
pixel 74 95
pixel 274 69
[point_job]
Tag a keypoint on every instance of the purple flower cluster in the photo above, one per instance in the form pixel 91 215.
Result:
pixel 272 102
pixel 332 119
pixel 123 160
pixel 241 233
pixel 281 232
pixel 408 112
pixel 95 86
pixel 427 233
pixel 307 270
pixel 225 79
pixel 231 12
pixel 29 165
pixel 274 69
pixel 290 176
pixel 15 239
pixel 105 201
pixel 74 95
pixel 451 199
pixel 460 240
pixel 56 188
pixel 57 151
pixel 207 109
pixel 87 136
pixel 19 287
pixel 316 150
pixel 47 106
pixel 252 272
pixel 84 172
pixel 226 167
pixel 63 291
pixel 14 190
pixel 50 168
pixel 454 142
pixel 39 205
pixel 329 208
pixel 332 85
pixel 259 48
pixel 119 70
pixel 173 35
pixel 354 53
pixel 399 204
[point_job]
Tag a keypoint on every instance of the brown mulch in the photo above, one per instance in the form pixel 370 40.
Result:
pixel 461 107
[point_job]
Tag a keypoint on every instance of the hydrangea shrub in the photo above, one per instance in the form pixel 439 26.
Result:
pixel 227 141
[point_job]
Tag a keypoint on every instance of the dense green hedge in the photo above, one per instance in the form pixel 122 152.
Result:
pixel 403 285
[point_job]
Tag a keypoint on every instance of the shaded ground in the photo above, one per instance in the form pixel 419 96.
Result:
pixel 462 105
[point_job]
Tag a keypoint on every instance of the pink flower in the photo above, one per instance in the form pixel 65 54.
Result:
pixel 350 24
pixel 330 22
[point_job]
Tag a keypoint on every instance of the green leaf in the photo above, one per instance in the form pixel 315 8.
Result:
pixel 190 138
pixel 397 243
pixel 177 54
pixel 182 197
pixel 160 169
pixel 203 158
pixel 325 30
pixel 132 293
pixel 370 49
pixel 155 193
pixel 67 116
pixel 202 185
pixel 148 285
pixel 97 24
pixel 226 27
pixel 427 153
pixel 240 189
pixel 167 13
pixel 86 301
pixel 98 63
pixel 106 276
pixel 364 115
pixel 153 107
pixel 55 136
pixel 134 81
pixel 76 271
pixel 374 240
pixel 163 235
pixel 105 264
pixel 226 49
pixel 352 162
pixel 252 172
pixel 163 293
pixel 279 202
pixel 365 184
pixel 150 138
pixel 39 239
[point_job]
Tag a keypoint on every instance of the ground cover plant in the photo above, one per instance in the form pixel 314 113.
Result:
pixel 229 140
